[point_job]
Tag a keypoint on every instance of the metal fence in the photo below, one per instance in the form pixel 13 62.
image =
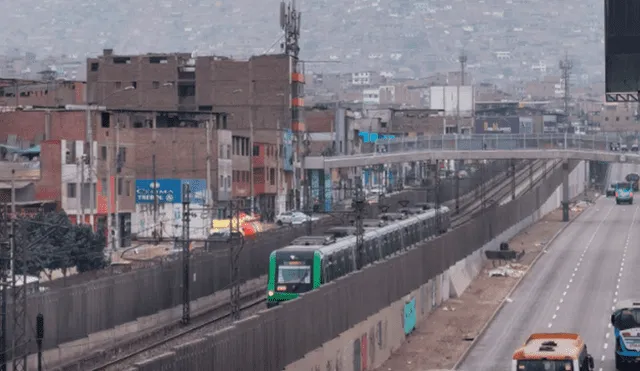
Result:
pixel 75 311
pixel 275 338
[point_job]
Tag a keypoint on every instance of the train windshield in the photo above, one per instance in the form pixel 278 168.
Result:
pixel 626 319
pixel 294 274
pixel 545 365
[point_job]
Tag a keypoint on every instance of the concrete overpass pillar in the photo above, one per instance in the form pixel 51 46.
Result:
pixel 565 191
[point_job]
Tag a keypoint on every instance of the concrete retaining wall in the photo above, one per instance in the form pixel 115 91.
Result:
pixel 370 343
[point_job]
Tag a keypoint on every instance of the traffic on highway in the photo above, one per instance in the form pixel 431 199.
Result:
pixel 578 308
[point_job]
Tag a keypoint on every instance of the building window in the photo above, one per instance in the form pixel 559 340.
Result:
pixel 134 84
pixel 70 152
pixel 71 190
pixel 118 85
pixel 272 176
pixel 127 186
pixel 156 84
pixel 256 150
pixel 222 151
pixel 122 156
pixel 120 186
pixel 103 152
pixel 94 67
pixel 105 187
pixel 228 151
pixel 221 185
pixel 228 182
pixel 235 176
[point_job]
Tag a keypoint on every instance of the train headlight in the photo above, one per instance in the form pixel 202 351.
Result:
pixel 270 293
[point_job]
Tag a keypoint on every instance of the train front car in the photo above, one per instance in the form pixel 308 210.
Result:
pixel 293 270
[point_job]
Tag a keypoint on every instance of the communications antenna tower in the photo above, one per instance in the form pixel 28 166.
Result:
pixel 566 65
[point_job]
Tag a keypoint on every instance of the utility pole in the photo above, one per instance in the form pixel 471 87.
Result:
pixel 91 158
pixel 156 233
pixel 155 199
pixel 186 219
pixel 359 204
pixel 4 272
pixel 79 182
pixel 236 244
pixel 81 188
pixel 19 292
pixel 278 161
pixel 566 65
pixel 107 186
pixel 209 185
pixel 117 185
pixel 251 153
pixel 437 197
pixel 463 61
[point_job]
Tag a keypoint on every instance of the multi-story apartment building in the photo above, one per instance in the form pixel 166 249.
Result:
pixel 72 173
pixel 262 97
pixel 36 93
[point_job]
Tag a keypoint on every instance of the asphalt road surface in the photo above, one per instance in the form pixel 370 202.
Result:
pixel 573 287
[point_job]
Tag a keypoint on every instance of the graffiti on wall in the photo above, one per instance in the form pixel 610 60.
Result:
pixel 409 318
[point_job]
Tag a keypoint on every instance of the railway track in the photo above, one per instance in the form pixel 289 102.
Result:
pixel 125 353
pixel 472 208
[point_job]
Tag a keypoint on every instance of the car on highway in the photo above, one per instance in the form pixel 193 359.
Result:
pixel 294 218
pixel 633 178
pixel 624 193
pixel 611 191
pixel 553 352
pixel 626 330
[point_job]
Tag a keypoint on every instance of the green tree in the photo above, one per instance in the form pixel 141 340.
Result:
pixel 89 249
pixel 53 243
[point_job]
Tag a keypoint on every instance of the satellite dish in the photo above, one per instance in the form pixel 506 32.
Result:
pixel 283 15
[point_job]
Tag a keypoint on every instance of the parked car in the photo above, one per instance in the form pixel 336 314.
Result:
pixel 634 148
pixel 294 218
pixel 624 148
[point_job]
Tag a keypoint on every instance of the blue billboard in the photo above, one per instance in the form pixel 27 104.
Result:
pixel 169 191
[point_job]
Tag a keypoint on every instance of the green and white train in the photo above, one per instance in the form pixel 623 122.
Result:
pixel 315 260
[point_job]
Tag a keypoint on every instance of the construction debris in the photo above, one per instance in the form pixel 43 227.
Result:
pixel 509 270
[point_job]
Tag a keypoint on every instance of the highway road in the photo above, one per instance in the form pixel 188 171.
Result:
pixel 573 287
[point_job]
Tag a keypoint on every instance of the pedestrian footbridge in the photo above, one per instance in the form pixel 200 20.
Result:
pixel 481 147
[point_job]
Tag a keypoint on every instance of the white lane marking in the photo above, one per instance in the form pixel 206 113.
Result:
pixel 615 294
pixel 549 325
pixel 554 316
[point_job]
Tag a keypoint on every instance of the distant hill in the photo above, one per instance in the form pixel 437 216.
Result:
pixel 423 36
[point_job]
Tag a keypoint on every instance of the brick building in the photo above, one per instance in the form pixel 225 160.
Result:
pixel 46 93
pixel 64 154
pixel 265 91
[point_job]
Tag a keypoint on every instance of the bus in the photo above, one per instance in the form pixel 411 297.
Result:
pixel 553 352
pixel 626 324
